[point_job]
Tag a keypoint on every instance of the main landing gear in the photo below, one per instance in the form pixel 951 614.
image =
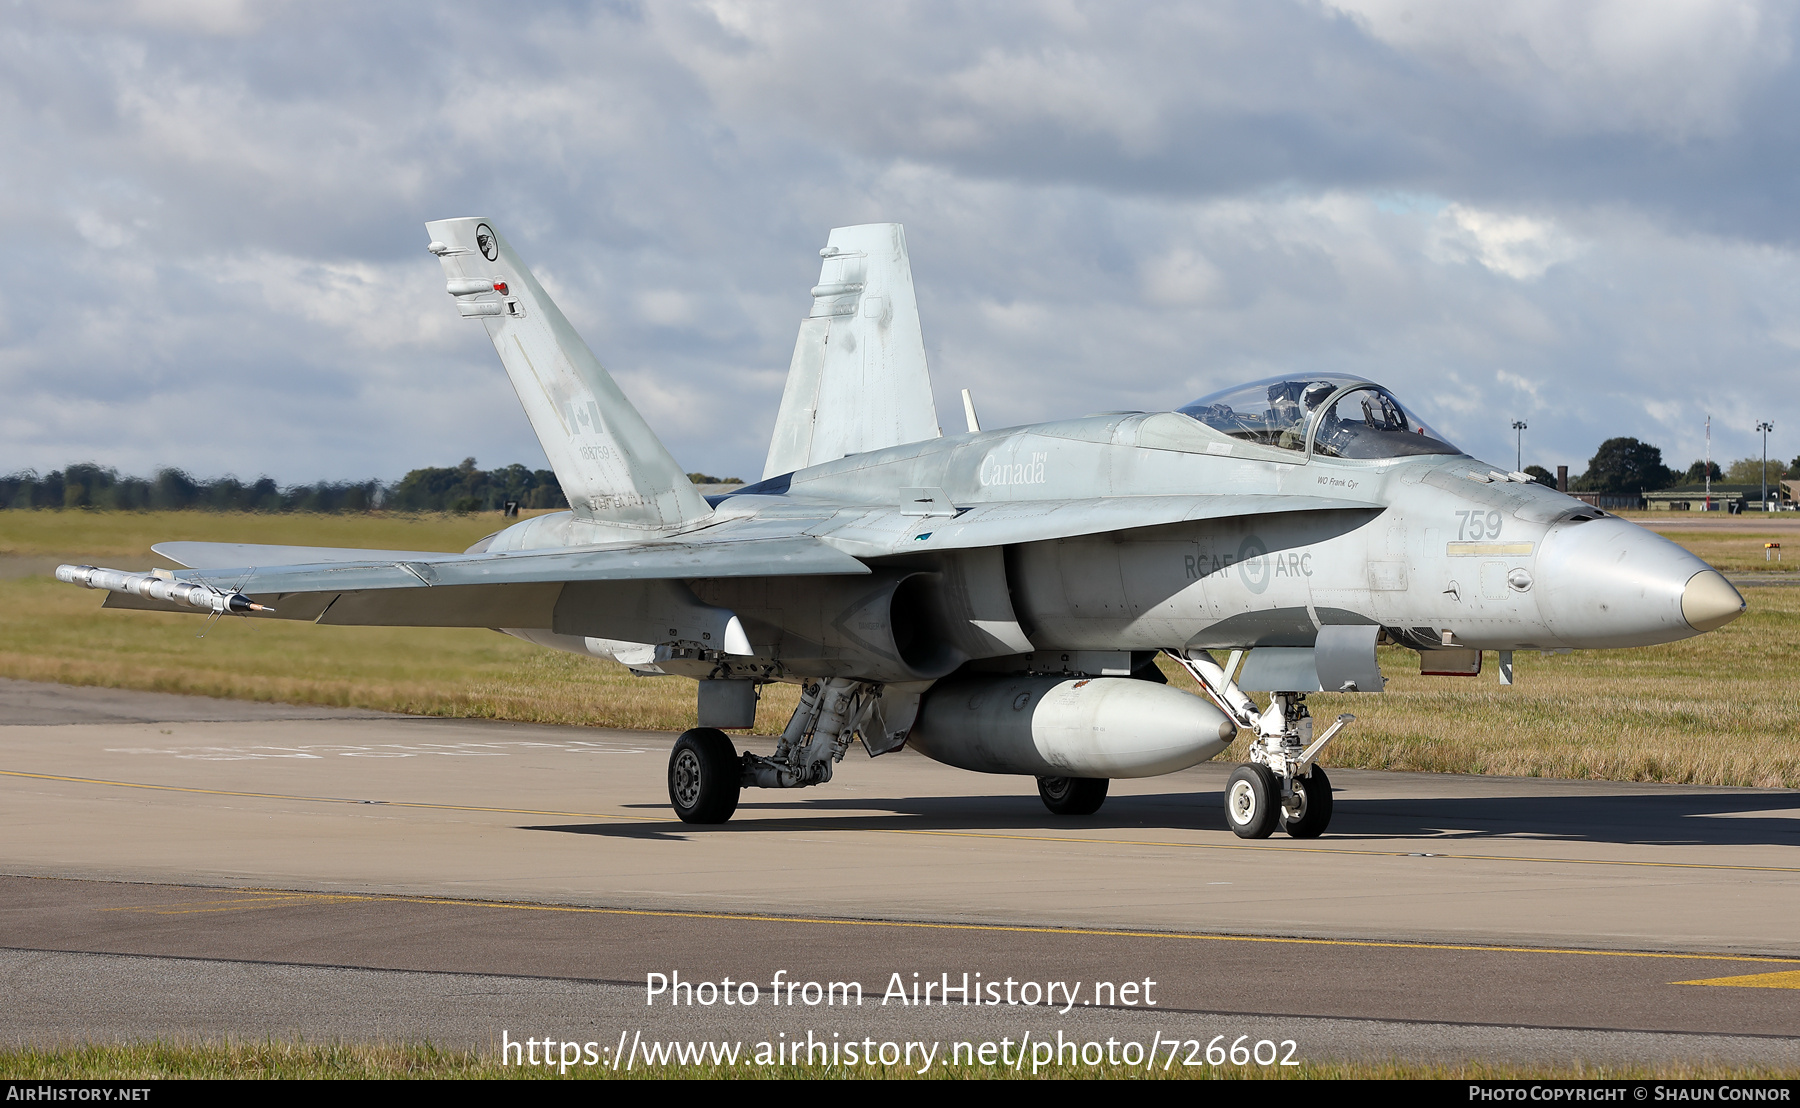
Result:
pixel 1073 796
pixel 706 773
pixel 1282 785
pixel 705 776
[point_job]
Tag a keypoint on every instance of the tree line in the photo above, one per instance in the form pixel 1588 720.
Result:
pixel 459 488
pixel 462 488
pixel 1626 465
pixel 92 486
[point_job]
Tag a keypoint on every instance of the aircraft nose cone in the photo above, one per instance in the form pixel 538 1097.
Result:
pixel 1709 602
pixel 1608 583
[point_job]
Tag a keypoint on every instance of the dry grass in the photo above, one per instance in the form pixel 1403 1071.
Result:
pixel 1740 551
pixel 386 1061
pixel 1731 543
pixel 1709 710
pixel 57 633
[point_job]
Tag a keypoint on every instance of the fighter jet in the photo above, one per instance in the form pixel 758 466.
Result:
pixel 996 600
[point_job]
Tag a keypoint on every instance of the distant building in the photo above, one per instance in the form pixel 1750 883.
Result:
pixel 1627 501
pixel 1693 498
pixel 1611 500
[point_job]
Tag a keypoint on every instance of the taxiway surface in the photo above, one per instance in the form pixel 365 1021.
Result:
pixel 198 867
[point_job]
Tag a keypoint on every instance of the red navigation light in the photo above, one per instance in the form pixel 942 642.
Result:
pixel 500 287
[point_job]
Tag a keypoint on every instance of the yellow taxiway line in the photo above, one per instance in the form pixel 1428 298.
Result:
pixel 282 897
pixel 1788 979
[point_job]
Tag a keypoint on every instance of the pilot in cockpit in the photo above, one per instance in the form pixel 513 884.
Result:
pixel 1292 415
pixel 1365 421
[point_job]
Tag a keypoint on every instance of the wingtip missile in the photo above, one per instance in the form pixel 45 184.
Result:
pixel 166 589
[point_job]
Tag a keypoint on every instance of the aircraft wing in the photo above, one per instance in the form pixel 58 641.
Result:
pixel 518 588
pixel 331 569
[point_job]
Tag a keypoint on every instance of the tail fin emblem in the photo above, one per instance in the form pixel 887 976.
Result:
pixel 484 238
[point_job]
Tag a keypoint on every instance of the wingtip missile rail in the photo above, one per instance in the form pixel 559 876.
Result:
pixel 167 589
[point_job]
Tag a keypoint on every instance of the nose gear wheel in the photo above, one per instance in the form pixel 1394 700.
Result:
pixel 1307 813
pixel 1252 801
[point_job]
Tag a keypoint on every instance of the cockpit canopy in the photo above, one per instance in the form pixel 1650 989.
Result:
pixel 1343 416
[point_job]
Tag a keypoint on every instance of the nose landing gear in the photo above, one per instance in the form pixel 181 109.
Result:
pixel 1307 812
pixel 1281 785
pixel 1252 801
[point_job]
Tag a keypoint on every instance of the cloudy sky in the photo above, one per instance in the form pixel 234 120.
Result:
pixel 1580 213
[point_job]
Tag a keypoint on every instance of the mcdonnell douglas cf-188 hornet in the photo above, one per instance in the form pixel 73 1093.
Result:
pixel 995 599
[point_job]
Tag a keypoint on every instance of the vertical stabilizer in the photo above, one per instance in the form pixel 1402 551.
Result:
pixel 610 464
pixel 858 380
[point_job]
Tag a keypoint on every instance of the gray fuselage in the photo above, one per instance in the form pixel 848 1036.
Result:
pixel 1419 545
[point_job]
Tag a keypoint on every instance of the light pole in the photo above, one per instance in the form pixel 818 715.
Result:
pixel 1519 429
pixel 1765 427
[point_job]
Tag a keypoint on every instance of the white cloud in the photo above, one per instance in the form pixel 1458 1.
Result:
pixel 1181 276
pixel 1518 246
pixel 664 307
pixel 1532 389
pixel 212 17
pixel 1678 68
pixel 218 18
pixel 373 307
pixel 100 231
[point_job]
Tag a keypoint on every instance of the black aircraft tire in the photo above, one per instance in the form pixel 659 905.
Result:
pixel 1252 801
pixel 704 776
pixel 1312 798
pixel 1073 796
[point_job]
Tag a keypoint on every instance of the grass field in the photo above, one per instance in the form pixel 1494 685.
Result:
pixel 281 1061
pixel 54 632
pixel 1734 544
pixel 1709 710
pixel 1739 552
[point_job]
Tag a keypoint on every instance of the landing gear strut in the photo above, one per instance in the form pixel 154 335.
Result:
pixel 830 713
pixel 1281 785
pixel 706 773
